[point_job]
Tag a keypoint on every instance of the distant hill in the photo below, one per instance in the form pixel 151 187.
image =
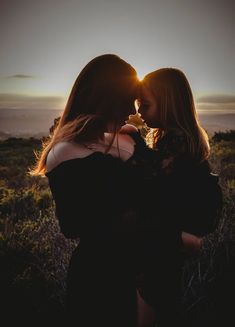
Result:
pixel 36 123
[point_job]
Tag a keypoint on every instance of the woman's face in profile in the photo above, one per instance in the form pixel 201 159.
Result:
pixel 148 108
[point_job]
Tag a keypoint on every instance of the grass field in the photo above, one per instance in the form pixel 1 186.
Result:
pixel 34 255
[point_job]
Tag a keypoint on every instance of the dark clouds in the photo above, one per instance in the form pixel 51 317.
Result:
pixel 20 101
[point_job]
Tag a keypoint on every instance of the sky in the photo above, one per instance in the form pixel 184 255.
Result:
pixel 46 43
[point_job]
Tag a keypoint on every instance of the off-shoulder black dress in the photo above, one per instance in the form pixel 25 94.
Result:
pixel 102 200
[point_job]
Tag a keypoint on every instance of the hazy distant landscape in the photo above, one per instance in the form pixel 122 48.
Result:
pixel 26 122
pixel 36 123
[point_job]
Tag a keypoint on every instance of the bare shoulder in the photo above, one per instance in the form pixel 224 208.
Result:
pixel 127 129
pixel 63 151
pixel 126 146
pixel 126 138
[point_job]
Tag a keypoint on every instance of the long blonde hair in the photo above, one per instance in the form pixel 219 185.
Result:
pixel 103 93
pixel 176 108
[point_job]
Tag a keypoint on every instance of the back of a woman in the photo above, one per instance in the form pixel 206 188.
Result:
pixel 86 174
pixel 90 201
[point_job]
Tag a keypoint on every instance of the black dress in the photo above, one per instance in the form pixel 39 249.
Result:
pixel 183 188
pixel 183 195
pixel 102 200
pixel 93 203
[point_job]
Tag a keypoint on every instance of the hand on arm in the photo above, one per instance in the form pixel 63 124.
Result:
pixel 191 243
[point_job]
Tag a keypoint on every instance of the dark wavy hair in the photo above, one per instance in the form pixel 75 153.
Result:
pixel 102 98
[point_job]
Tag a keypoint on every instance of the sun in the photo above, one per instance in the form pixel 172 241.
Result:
pixel 141 72
pixel 140 76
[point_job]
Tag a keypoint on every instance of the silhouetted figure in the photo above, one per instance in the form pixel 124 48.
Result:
pixel 182 191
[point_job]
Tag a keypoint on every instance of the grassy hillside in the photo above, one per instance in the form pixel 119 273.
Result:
pixel 34 255
pixel 209 279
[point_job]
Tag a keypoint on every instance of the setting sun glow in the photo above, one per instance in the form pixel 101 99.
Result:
pixel 140 76
pixel 141 72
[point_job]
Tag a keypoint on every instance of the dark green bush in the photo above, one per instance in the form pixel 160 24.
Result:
pixel 224 136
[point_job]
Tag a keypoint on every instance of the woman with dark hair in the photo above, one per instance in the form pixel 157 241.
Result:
pixel 85 164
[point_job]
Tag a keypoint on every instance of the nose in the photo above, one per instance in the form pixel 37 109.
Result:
pixel 137 104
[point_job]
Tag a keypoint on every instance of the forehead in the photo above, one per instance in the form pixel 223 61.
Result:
pixel 145 93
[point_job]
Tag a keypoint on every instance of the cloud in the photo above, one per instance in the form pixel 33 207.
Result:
pixel 22 101
pixel 218 102
pixel 20 76
pixel 217 98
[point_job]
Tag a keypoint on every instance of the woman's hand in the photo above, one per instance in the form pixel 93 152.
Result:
pixel 191 243
pixel 128 129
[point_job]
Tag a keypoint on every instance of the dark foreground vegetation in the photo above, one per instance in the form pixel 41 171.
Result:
pixel 34 255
